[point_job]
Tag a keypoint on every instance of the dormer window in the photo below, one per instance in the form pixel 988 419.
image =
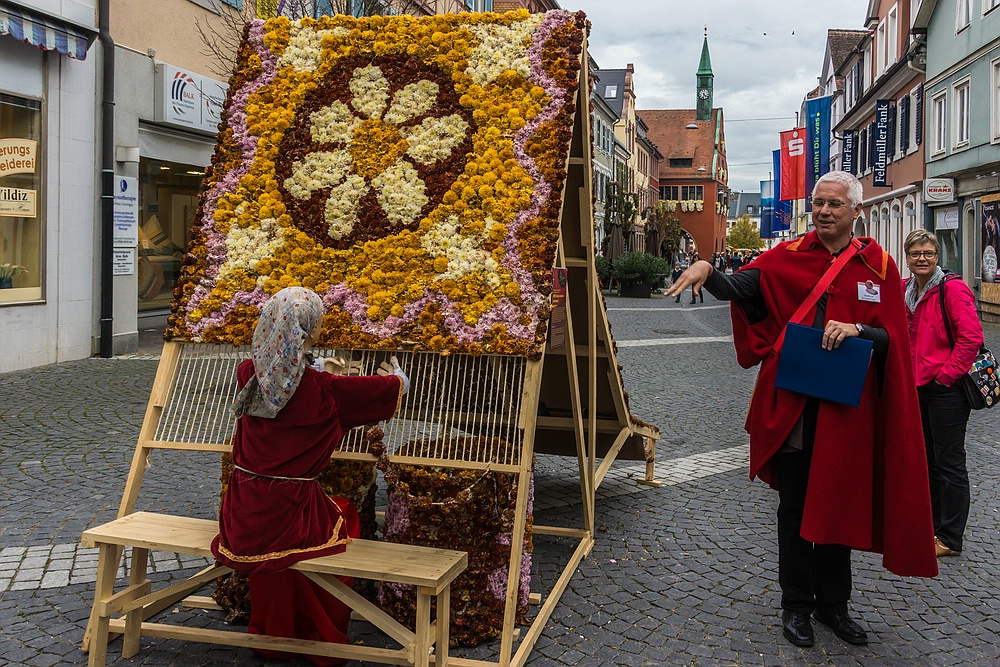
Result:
pixel 610 92
pixel 681 162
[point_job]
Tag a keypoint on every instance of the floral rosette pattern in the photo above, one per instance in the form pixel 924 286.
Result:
pixel 409 170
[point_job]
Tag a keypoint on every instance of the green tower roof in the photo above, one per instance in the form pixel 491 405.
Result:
pixel 705 66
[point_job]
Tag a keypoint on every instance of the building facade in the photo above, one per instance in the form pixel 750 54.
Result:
pixel 48 183
pixel 694 173
pixel 603 119
pixel 963 138
pixel 883 111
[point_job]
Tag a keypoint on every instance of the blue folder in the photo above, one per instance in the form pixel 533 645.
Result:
pixel 836 375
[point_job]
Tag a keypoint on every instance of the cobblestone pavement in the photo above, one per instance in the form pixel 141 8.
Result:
pixel 684 574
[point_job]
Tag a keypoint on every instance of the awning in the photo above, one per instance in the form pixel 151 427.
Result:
pixel 48 33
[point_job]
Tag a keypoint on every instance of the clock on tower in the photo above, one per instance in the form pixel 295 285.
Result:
pixel 703 93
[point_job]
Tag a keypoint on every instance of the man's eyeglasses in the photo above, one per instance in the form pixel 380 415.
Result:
pixel 917 254
pixel 834 204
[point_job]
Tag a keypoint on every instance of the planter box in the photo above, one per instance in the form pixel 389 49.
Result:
pixel 639 290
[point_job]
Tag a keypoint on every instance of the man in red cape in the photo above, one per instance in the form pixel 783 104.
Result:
pixel 847 478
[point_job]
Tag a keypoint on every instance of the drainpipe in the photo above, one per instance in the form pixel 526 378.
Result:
pixel 107 178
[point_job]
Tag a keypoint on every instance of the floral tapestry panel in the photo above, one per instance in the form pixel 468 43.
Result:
pixel 408 170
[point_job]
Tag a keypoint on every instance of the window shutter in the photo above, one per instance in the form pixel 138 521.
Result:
pixel 862 153
pixel 857 80
pixel 919 119
pixel 904 124
pixel 871 144
pixel 892 131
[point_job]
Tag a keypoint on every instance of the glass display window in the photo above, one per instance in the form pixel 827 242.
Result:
pixel 168 199
pixel 22 210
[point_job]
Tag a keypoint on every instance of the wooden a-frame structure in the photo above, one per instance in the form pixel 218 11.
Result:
pixel 586 411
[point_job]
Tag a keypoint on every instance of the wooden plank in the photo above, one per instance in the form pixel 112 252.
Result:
pixel 609 458
pixel 200 602
pixel 288 645
pixel 220 447
pixel 559 531
pixel 358 603
pixel 107 567
pixel 442 638
pixel 538 625
pixel 366 559
pixel 133 619
pixel 161 599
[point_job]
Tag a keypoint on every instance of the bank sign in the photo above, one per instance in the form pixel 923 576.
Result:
pixel 186 99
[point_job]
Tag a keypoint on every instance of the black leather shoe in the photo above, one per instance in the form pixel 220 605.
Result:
pixel 844 627
pixel 797 627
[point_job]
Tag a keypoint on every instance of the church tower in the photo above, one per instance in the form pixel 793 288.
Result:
pixel 705 83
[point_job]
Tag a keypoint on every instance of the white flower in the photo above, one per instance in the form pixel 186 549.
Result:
pixel 304 50
pixel 501 48
pixel 464 252
pixel 245 246
pixel 388 150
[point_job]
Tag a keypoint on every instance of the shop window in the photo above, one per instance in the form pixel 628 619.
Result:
pixel 168 196
pixel 22 211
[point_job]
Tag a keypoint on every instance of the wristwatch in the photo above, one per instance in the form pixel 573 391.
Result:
pixel 861 328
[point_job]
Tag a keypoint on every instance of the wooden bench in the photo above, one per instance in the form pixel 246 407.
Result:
pixel 431 571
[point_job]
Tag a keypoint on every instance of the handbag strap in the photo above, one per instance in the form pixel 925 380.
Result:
pixel 824 284
pixel 944 313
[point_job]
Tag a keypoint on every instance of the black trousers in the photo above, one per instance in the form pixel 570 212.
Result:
pixel 944 413
pixel 811 576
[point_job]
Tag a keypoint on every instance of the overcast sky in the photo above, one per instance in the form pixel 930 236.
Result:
pixel 762 70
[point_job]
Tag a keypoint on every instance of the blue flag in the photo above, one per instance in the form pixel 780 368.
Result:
pixel 782 209
pixel 818 142
pixel 767 209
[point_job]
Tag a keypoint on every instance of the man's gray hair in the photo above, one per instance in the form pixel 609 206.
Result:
pixel 853 185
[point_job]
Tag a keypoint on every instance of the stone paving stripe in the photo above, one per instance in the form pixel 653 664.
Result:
pixel 674 341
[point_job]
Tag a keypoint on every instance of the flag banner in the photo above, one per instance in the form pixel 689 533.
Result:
pixel 767 209
pixel 782 220
pixel 818 145
pixel 793 164
pixel 847 151
pixel 881 143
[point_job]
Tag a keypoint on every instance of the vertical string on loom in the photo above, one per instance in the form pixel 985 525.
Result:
pixel 210 403
pixel 474 410
pixel 176 400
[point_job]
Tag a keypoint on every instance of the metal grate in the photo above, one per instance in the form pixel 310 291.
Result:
pixel 459 407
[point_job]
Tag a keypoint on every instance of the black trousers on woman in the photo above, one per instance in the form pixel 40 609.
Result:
pixel 812 576
pixel 944 413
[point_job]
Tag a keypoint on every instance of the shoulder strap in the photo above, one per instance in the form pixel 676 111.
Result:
pixel 944 313
pixel 820 287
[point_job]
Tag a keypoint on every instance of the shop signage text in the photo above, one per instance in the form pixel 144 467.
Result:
pixel 17 156
pixel 939 190
pixel 126 212
pixel 17 203
pixel 187 99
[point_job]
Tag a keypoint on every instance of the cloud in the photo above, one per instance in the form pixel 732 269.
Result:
pixel 757 75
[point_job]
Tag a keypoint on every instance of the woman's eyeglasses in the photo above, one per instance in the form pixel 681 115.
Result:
pixel 917 254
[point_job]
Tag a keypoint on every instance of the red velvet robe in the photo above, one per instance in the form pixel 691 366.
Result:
pixel 868 485
pixel 267 524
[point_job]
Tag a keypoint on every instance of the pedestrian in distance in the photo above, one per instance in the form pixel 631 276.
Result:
pixel 674 275
pixel 736 262
pixel 274 513
pixel 847 478
pixel 938 302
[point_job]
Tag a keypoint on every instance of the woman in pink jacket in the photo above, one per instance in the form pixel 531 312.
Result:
pixel 937 367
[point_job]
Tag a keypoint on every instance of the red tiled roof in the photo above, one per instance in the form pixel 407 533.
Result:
pixel 668 130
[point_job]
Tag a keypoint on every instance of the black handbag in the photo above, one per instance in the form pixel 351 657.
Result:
pixel 980 383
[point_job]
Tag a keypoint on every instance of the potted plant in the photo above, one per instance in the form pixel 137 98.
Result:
pixel 639 272
pixel 7 273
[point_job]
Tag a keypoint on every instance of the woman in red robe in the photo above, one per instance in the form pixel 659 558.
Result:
pixel 274 513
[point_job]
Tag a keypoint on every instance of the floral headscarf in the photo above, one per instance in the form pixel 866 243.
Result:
pixel 279 358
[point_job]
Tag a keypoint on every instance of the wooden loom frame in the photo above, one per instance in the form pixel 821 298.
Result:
pixel 607 430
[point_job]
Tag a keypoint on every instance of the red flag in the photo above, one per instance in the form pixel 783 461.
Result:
pixel 793 164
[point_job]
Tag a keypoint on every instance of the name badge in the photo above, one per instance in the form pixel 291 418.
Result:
pixel 869 291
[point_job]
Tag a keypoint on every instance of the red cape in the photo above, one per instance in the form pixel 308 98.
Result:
pixel 868 485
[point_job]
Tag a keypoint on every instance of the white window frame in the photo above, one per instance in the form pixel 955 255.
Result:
pixel 963 14
pixel 990 5
pixel 612 89
pixel 995 101
pixel 961 95
pixel 939 123
pixel 892 36
pixel 913 121
pixel 880 47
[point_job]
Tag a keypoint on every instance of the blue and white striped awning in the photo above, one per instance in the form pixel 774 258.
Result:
pixel 46 32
